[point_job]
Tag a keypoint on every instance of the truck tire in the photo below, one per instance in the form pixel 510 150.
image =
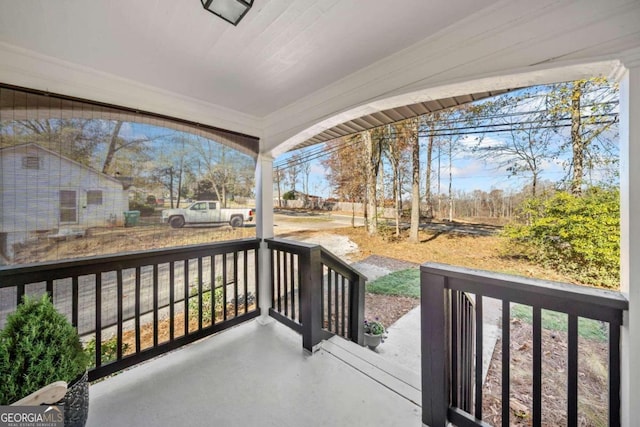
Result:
pixel 176 222
pixel 236 221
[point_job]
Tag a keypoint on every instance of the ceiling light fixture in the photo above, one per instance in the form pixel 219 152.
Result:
pixel 231 11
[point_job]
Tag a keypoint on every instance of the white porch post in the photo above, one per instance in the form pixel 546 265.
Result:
pixel 630 239
pixel 264 230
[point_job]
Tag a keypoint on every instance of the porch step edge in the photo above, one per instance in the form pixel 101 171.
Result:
pixel 394 377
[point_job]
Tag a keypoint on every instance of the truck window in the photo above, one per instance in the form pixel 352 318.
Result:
pixel 212 205
pixel 199 207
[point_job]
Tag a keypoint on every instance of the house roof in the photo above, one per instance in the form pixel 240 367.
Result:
pixel 32 145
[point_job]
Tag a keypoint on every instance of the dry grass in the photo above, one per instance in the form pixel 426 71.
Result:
pixel 483 252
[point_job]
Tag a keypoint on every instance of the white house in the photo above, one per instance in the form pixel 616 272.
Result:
pixel 41 190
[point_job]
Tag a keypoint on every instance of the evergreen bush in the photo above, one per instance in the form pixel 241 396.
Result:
pixel 38 346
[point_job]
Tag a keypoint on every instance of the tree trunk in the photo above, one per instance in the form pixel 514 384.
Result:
pixel 112 148
pixel 395 197
pixel 373 156
pixel 415 190
pixel 428 197
pixel 450 183
pixel 576 139
pixel 278 179
pixel 353 214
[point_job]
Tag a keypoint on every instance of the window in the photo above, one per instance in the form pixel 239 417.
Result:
pixel 199 207
pixel 31 162
pixel 94 197
pixel 212 206
pixel 68 210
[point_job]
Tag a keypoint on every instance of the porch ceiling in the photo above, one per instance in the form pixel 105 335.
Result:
pixel 301 71
pixel 283 50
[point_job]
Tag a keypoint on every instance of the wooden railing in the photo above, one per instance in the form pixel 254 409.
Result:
pixel 452 341
pixel 315 293
pixel 131 307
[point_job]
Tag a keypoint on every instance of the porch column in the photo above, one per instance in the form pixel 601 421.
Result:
pixel 264 230
pixel 630 238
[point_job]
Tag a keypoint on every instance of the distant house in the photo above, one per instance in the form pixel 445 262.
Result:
pixel 41 190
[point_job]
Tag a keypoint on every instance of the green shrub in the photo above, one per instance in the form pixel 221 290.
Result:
pixel 108 351
pixel 38 346
pixel 577 235
pixel 206 304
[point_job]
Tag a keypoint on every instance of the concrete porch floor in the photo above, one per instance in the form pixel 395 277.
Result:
pixel 257 374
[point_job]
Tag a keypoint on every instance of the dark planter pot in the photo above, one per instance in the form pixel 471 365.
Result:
pixel 372 341
pixel 76 402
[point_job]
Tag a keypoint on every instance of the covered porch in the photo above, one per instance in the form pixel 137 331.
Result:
pixel 293 70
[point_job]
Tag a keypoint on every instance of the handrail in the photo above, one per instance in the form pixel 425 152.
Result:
pixel 447 362
pixel 204 288
pixel 314 284
pixel 329 259
pixel 53 270
pixel 583 301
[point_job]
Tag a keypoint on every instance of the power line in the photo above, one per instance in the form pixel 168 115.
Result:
pixel 322 151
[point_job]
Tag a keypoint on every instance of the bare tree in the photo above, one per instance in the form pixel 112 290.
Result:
pixel 346 170
pixel 590 106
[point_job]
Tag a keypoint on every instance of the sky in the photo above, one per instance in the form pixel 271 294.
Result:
pixel 468 172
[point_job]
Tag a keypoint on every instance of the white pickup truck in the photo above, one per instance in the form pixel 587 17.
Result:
pixel 207 212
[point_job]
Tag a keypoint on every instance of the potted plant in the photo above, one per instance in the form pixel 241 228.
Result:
pixel 38 346
pixel 374 333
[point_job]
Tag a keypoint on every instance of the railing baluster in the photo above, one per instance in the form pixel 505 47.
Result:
pixel 324 291
pixel 235 284
pixel 278 253
pixel 185 275
pixel 329 301
pixel 342 330
pixel 74 301
pixel 155 305
pixel 572 371
pixel 614 375
pixel 119 302
pixel 172 298
pixel 246 280
pixel 479 360
pixel 293 288
pixel 455 350
pixel 537 366
pixel 285 274
pixel 50 289
pixel 506 360
pixel 256 277
pixel 336 300
pixel 213 289
pixel 98 295
pixel 137 309
pixel 19 293
pixel 199 293
pixel 225 279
